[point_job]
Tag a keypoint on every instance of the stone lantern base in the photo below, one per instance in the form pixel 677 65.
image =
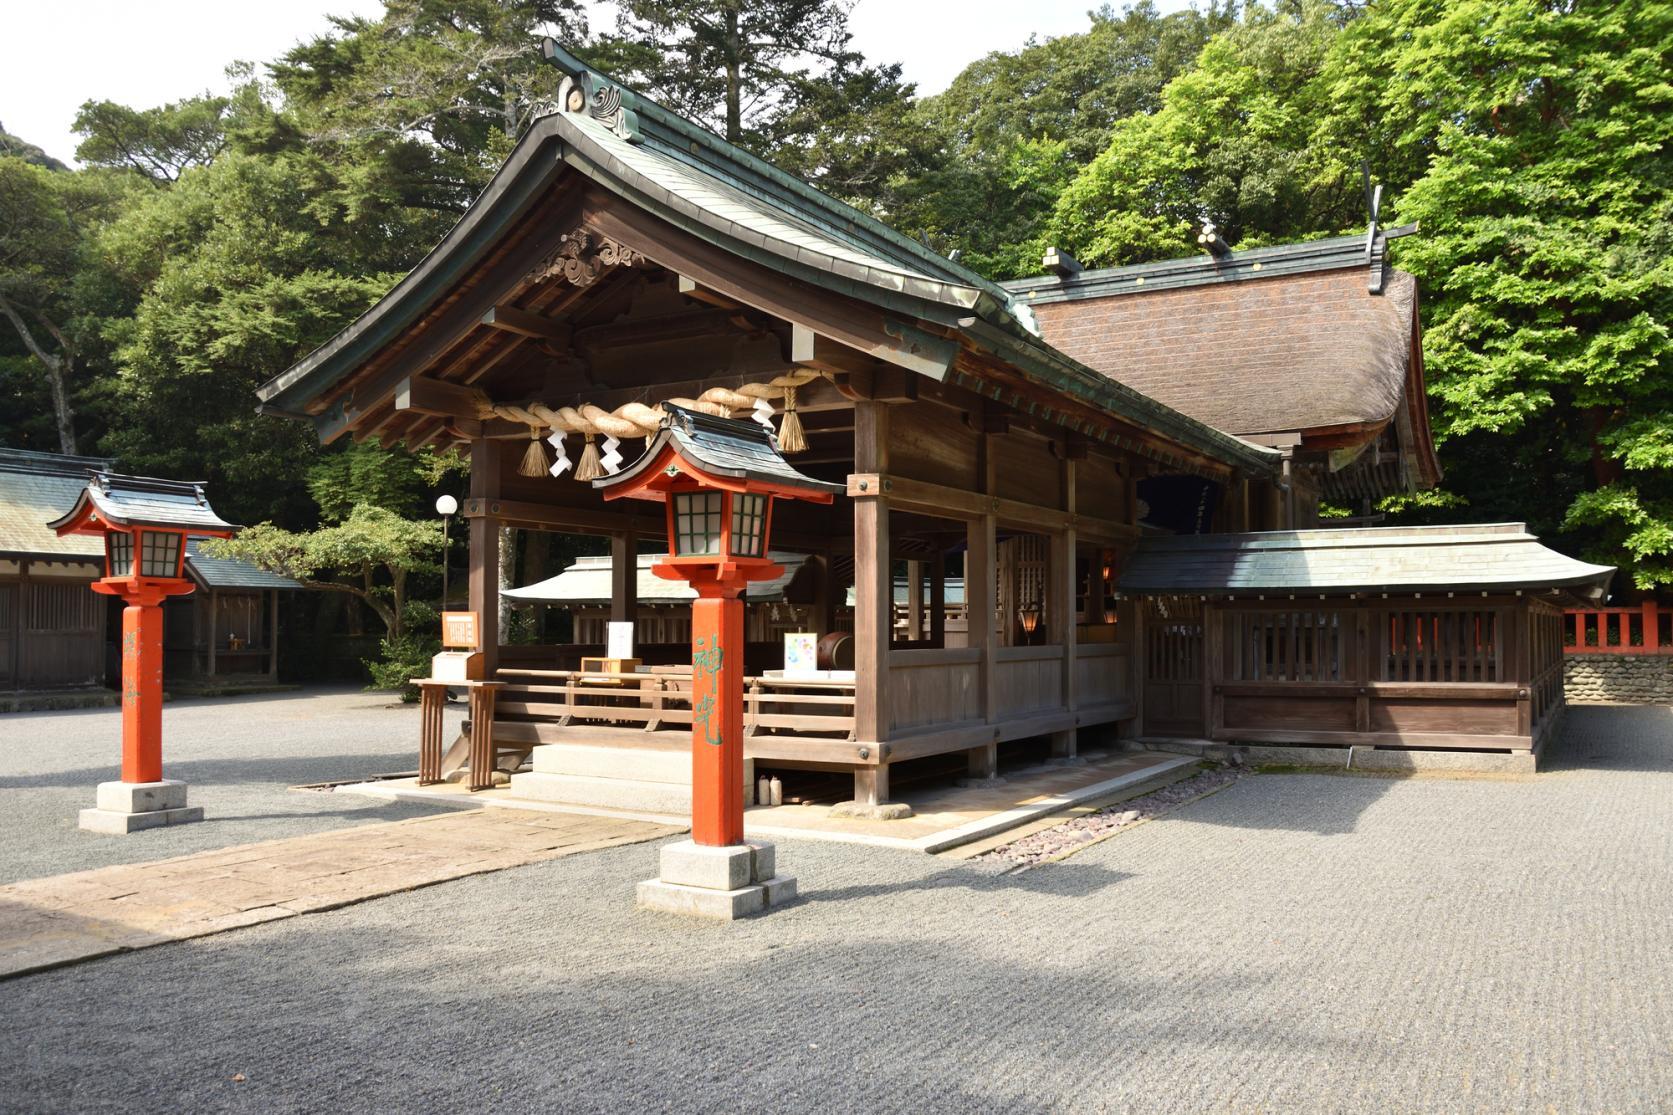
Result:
pixel 726 882
pixel 124 807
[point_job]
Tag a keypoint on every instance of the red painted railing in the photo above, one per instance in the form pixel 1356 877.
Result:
pixel 1646 629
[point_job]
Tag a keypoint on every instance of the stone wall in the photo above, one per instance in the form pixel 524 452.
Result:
pixel 1629 679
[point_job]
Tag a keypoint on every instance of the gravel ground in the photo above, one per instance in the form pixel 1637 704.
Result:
pixel 1294 942
pixel 1077 832
pixel 239 754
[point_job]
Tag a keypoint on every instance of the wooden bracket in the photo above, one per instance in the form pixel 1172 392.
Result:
pixel 512 320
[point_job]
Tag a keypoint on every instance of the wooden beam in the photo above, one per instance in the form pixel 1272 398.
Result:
pixel 707 265
pixel 433 341
pixel 512 320
pixel 948 502
pixel 440 398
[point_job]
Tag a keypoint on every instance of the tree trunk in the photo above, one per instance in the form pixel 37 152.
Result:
pixel 57 374
pixel 734 84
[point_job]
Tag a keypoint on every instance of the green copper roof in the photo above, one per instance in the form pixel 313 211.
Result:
pixel 703 185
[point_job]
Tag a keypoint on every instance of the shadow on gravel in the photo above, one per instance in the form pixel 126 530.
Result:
pixel 1613 737
pixel 288 770
pixel 1061 880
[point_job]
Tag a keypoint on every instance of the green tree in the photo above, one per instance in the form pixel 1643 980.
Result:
pixel 1016 126
pixel 728 64
pixel 369 555
pixel 48 222
pixel 1546 255
pixel 427 100
pixel 1232 143
pixel 159 143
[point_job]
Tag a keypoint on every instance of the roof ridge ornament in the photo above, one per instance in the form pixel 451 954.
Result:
pixel 602 100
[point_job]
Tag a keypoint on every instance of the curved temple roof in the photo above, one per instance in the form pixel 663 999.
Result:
pixel 1498 557
pixel 702 185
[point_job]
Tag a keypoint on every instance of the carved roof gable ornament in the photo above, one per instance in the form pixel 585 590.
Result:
pixel 589 93
pixel 582 256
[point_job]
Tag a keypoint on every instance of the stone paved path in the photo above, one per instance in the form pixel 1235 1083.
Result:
pixel 65 918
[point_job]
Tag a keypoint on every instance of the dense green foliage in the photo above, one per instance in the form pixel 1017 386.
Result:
pixel 207 244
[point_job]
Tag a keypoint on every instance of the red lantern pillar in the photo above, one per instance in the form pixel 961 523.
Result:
pixel 717 721
pixel 146 524
pixel 142 690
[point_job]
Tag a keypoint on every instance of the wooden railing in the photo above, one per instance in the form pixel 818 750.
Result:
pixel 933 688
pixel 1640 630
pixel 661 700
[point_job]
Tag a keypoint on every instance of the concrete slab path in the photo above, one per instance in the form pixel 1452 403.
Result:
pixel 58 920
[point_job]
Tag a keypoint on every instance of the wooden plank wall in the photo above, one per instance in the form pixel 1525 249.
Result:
pixel 1470 673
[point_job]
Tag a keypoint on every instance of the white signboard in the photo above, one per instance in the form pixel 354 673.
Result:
pixel 621 640
pixel 801 653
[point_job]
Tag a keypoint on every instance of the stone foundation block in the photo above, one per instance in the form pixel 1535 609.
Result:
pixel 140 797
pixel 886 811
pixel 726 905
pixel 779 889
pixel 119 824
pixel 690 864
pixel 708 882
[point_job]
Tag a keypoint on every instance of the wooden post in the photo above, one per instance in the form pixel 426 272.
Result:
pixel 914 600
pixel 273 638
pixel 1361 617
pixel 624 578
pixel 871 785
pixel 1060 600
pixel 1060 621
pixel 482 700
pixel 1652 628
pixel 485 553
pixel 938 599
pixel 214 637
pixel 432 700
pixel 979 606
pixel 873 578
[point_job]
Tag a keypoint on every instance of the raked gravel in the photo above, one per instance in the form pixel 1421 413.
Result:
pixel 240 756
pixel 1295 942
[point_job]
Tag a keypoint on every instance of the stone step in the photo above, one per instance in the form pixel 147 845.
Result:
pixel 602 793
pixel 671 765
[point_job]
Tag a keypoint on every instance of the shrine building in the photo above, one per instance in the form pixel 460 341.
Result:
pixel 1121 471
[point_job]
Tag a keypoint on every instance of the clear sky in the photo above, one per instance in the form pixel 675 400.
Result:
pixel 55 54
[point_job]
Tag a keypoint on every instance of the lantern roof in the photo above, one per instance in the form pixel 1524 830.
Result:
pixel 732 453
pixel 141 501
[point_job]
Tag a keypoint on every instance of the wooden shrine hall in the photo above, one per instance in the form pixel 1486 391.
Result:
pixel 624 258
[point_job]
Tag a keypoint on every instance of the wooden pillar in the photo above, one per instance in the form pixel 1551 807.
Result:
pixel 624 578
pixel 214 631
pixel 1060 602
pixel 484 573
pixel 979 606
pixel 871 785
pixel 1211 642
pixel 824 598
pixel 914 600
pixel 938 599
pixel 1060 605
pixel 873 581
pixel 273 637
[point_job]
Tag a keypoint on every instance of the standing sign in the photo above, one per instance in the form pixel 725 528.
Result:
pixel 459 629
pixel 620 640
